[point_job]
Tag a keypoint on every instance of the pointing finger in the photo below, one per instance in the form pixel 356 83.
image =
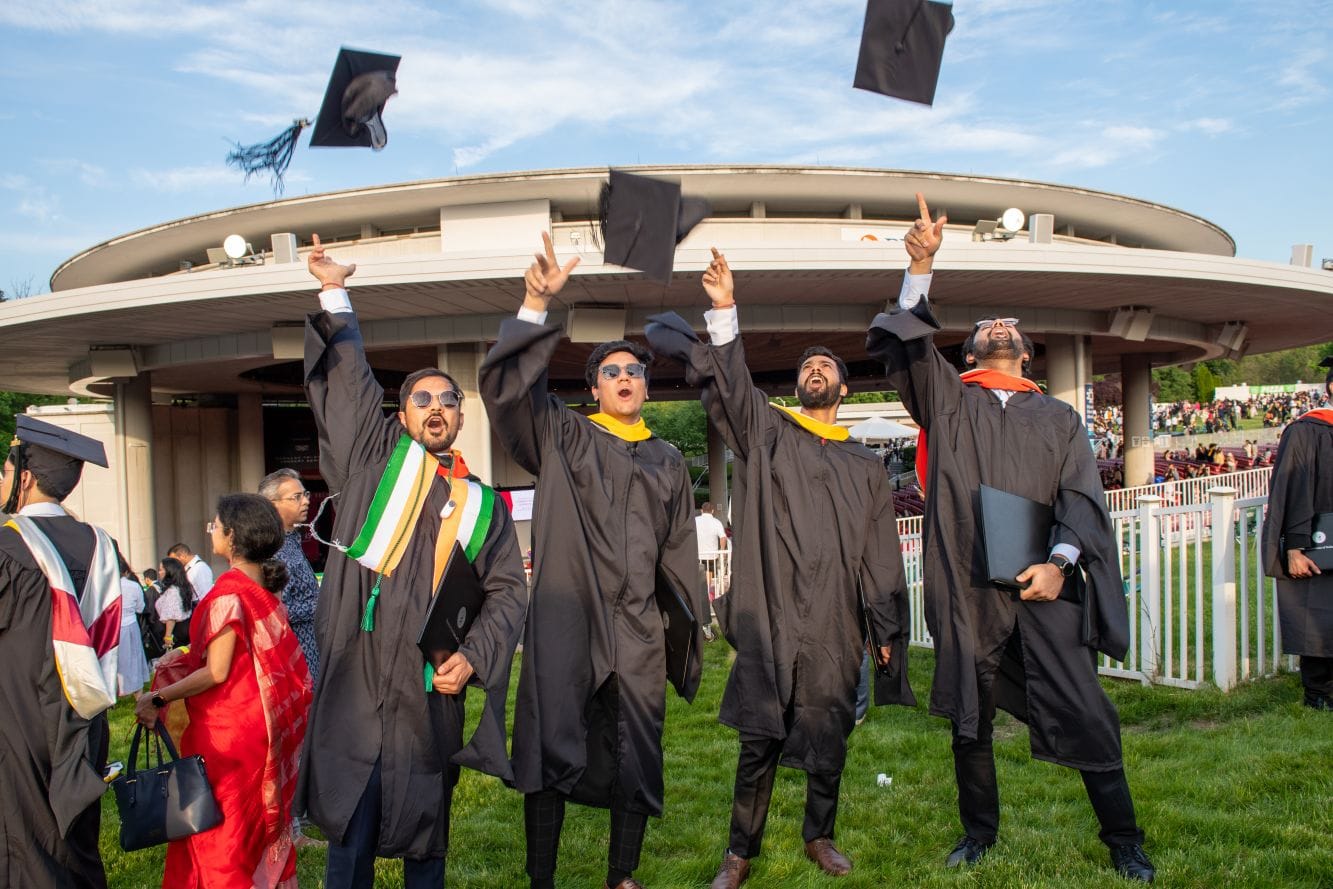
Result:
pixel 921 206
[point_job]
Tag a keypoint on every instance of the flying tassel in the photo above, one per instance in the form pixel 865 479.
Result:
pixel 275 155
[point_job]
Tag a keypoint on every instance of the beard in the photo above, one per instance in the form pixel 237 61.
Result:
pixel 825 396
pixel 433 441
pixel 993 348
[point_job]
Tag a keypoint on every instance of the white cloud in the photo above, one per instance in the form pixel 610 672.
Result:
pixel 1101 145
pixel 1212 126
pixel 88 174
pixel 186 178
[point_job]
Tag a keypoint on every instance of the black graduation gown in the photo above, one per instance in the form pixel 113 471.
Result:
pixel 1035 446
pixel 610 516
pixel 1301 486
pixel 51 759
pixel 812 519
pixel 370 702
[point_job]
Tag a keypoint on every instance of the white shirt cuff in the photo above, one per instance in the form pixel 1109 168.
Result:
pixel 335 300
pixel 531 315
pixel 1068 550
pixel 724 325
pixel 915 288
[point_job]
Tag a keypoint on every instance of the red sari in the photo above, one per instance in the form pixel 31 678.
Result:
pixel 249 730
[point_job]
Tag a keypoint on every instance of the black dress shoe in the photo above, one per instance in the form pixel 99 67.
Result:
pixel 968 851
pixel 1317 702
pixel 1131 862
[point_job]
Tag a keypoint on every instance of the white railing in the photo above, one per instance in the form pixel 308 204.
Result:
pixel 1187 491
pixel 717 571
pixel 1201 610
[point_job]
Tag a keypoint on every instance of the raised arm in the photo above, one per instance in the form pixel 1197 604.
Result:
pixel 736 407
pixel 904 339
pixel 512 378
pixel 346 399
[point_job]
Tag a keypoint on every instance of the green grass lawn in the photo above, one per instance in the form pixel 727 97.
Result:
pixel 1233 790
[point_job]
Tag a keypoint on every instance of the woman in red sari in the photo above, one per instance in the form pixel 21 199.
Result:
pixel 247 690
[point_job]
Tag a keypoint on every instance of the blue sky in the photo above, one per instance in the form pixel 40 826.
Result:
pixel 118 113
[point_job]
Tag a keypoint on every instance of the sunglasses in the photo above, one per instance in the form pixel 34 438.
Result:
pixel 448 398
pixel 991 322
pixel 634 371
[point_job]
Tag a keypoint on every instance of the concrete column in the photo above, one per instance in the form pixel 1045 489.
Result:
pixel 461 361
pixel 1135 376
pixel 135 399
pixel 717 473
pixel 1062 370
pixel 250 440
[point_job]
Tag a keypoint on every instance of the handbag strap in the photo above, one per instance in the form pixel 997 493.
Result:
pixel 161 737
pixel 165 736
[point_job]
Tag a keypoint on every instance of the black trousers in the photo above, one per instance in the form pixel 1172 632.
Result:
pixel 978 790
pixel 351 865
pixel 756 770
pixel 544 816
pixel 1317 676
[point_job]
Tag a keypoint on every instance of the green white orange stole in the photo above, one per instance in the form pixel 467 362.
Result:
pixel 396 508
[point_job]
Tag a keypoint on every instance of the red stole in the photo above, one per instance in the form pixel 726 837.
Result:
pixel 1322 414
pixel 987 379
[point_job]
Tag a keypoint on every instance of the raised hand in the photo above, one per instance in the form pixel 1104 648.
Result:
pixel 329 273
pixel 718 283
pixel 545 277
pixel 923 240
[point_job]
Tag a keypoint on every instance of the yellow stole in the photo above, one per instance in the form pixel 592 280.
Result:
pixel 628 431
pixel 814 427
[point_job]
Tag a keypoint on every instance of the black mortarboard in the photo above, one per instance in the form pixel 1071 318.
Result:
pixel 52 454
pixel 902 45
pixel 349 117
pixel 643 219
pixel 358 88
pixel 1327 362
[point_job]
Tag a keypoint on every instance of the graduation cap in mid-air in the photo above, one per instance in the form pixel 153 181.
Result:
pixel 350 116
pixel 643 219
pixel 902 45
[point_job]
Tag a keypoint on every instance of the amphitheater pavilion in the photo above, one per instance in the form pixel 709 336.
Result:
pixel 200 354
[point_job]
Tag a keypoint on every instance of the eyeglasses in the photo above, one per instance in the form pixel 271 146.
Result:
pixel 634 371
pixel 447 397
pixel 991 322
pixel 212 526
pixel 293 498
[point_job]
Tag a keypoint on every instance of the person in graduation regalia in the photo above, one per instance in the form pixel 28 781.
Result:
pixel 1031 653
pixel 60 604
pixel 816 554
pixel 1300 497
pixel 614 520
pixel 385 738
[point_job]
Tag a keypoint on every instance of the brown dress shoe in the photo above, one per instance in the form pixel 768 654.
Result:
pixel 823 853
pixel 732 873
pixel 627 883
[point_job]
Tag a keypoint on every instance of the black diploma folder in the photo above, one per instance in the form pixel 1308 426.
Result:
pixel 868 630
pixel 457 601
pixel 1016 532
pixel 680 628
pixel 1321 541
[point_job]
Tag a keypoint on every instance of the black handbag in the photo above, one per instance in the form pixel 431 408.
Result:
pixel 168 801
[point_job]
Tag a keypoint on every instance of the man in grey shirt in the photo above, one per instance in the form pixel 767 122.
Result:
pixel 288 495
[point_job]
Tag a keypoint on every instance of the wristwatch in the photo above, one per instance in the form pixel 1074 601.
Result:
pixel 158 701
pixel 1066 567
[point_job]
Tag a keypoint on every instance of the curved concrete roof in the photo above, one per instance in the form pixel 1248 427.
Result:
pixel 806 271
pixel 786 191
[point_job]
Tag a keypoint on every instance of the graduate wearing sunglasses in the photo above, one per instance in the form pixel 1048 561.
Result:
pixel 386 729
pixel 614 513
pixel 1030 652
